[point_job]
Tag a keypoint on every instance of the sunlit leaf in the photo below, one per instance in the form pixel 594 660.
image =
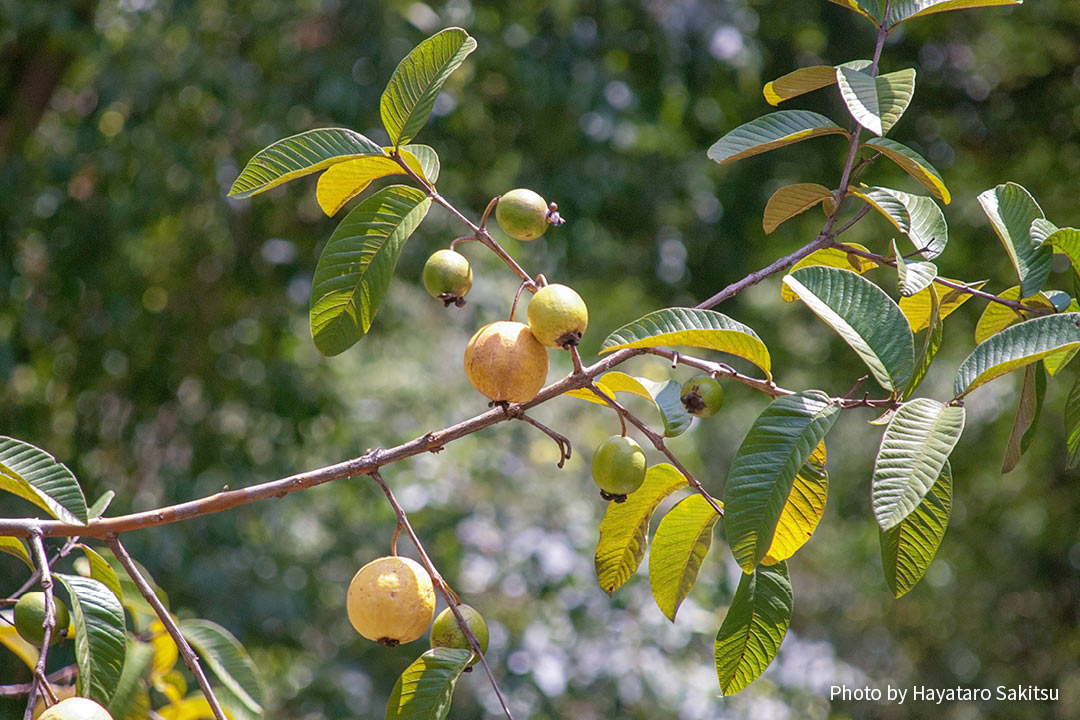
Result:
pixel 997 316
pixel 1017 346
pixel 344 181
pixel 805 80
pixel 789 201
pixel 100 635
pixel 917 307
pixel 665 396
pixel 912 276
pixel 355 267
pixel 781 440
pixel 876 102
pixel 913 164
pixel 15 546
pixel 1072 424
pixel 300 155
pixel 102 571
pixel 931 343
pixel 1012 210
pixel 869 9
pixel 772 131
pixel 425 689
pixel 410 95
pixel 1028 410
pixel 706 329
pixel 908 548
pixel 914 448
pixel 229 661
pixel 803 509
pixel 917 216
pixel 12 640
pixel 35 475
pixel 755 625
pixel 831 257
pixel 681 542
pixel 624 530
pixel 901 10
pixel 864 316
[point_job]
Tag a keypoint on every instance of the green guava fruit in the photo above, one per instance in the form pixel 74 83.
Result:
pixel 30 614
pixel 447 276
pixel 618 467
pixel 445 631
pixel 522 214
pixel 76 708
pixel 702 396
pixel 557 316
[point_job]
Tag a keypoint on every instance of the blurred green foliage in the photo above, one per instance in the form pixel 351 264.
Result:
pixel 153 335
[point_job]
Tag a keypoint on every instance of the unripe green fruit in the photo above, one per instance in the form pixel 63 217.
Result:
pixel 447 276
pixel 506 362
pixel 30 614
pixel 618 467
pixel 702 396
pixel 76 708
pixel 522 214
pixel 445 631
pixel 557 316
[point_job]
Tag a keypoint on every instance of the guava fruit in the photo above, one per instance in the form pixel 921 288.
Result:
pixel 702 396
pixel 30 614
pixel 76 708
pixel 445 631
pixel 522 214
pixel 618 467
pixel 557 316
pixel 391 600
pixel 506 362
pixel 447 276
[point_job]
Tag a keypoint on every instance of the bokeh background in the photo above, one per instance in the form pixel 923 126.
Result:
pixel 154 336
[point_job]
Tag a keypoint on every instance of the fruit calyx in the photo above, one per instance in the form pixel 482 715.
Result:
pixel 702 396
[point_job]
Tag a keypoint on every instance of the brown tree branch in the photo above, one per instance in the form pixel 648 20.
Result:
pixel 40 682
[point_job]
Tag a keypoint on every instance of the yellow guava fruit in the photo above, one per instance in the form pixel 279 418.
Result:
pixel 30 614
pixel 557 316
pixel 522 214
pixel 445 631
pixel 76 708
pixel 391 600
pixel 506 362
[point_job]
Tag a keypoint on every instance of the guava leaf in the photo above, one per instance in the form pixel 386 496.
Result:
pixel 771 131
pixel 300 155
pixel 624 531
pixel 1017 346
pixel 706 329
pixel 869 9
pixel 803 509
pixel 914 448
pixel 665 396
pixel 831 257
pixel 876 101
pixel 1011 211
pixel 345 180
pixel 902 10
pixel 14 546
pixel 229 661
pixel 681 542
pixel 1028 410
pixel 917 307
pixel 913 164
pixel 425 689
pixel 804 80
pixel 102 571
pixel 100 636
pixel 1072 425
pixel 789 201
pixel 908 548
pixel 35 475
pixel 912 276
pixel 126 700
pixel 755 625
pixel 996 316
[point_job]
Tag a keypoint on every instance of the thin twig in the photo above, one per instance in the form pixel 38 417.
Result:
pixel 563 442
pixel 448 595
pixel 190 658
pixel 62 676
pixel 40 681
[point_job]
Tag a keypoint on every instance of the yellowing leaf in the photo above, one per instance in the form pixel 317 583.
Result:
pixel 803 509
pixel 800 81
pixel 913 164
pixel 11 639
pixel 787 202
pixel 831 257
pixel 917 307
pixel 165 653
pixel 681 543
pixel 344 181
pixel 996 317
pixel 193 707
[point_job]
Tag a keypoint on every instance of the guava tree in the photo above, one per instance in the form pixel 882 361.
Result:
pixel 126 639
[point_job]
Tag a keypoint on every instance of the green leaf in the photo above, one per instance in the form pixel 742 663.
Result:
pixel 1015 347
pixel 869 9
pixel 100 636
pixel 625 528
pixel 771 131
pixel 425 689
pixel 917 216
pixel 789 201
pixel 355 267
pixel 755 625
pixel 931 343
pixel 909 547
pixel 876 102
pixel 673 414
pixel 224 654
pixel 101 505
pixel 806 80
pixel 142 614
pixel 130 686
pixel 1012 210
pixel 865 317
pixel 34 475
pixel 780 442
pixel 410 95
pixel 803 509
pixel 901 10
pixel 913 164
pixel 1065 241
pixel 681 542
pixel 912 276
pixel 694 328
pixel 1028 410
pixel 1072 425
pixel 831 257
pixel 917 308
pixel 423 160
pixel 916 444
pixel 300 155
pixel 102 571
pixel 666 396
pixel 14 546
pixel 996 316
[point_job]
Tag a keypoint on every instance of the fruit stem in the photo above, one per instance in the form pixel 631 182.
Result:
pixel 463 239
pixel 393 542
pixel 48 624
pixel 517 296
pixel 487 211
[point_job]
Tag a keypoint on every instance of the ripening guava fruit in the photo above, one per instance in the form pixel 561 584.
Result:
pixel 447 276
pixel 30 614
pixel 618 467
pixel 445 631
pixel 506 362
pixel 76 708
pixel 557 316
pixel 522 214
pixel 702 396
pixel 391 600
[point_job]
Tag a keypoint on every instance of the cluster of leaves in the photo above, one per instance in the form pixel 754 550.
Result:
pixel 119 663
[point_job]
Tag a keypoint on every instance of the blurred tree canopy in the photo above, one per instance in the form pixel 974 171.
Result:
pixel 153 334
